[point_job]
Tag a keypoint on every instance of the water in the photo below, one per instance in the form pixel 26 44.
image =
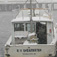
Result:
pixel 5 27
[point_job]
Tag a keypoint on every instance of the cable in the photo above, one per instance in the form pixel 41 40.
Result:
pixel 22 7
pixel 51 8
pixel 44 9
pixel 36 2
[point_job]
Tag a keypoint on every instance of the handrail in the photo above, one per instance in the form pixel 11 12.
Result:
pixel 9 41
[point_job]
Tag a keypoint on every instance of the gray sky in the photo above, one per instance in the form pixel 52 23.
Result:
pixel 32 0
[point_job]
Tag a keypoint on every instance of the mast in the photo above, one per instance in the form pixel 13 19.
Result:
pixel 31 16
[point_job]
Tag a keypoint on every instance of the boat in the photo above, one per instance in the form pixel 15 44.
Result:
pixel 33 34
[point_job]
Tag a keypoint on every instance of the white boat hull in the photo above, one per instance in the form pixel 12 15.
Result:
pixel 41 50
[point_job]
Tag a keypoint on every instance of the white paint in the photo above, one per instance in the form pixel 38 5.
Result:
pixel 27 43
pixel 9 41
pixel 30 34
pixel 33 18
pixel 49 34
pixel 20 34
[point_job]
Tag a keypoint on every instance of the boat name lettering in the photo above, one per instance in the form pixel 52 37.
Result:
pixel 29 50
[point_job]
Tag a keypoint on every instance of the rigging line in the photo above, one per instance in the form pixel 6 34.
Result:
pixel 36 2
pixel 52 15
pixel 39 11
pixel 22 6
pixel 51 8
pixel 44 9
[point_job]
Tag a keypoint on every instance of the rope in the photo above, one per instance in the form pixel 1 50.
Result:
pixel 22 7
pixel 45 9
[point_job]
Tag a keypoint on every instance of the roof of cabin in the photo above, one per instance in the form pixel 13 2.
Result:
pixel 27 19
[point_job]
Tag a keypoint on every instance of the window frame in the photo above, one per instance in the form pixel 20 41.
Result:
pixel 20 28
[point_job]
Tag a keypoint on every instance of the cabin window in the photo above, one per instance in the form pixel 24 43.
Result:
pixel 18 27
pixel 17 50
pixel 28 27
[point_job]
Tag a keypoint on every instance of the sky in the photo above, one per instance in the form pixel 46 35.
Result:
pixel 28 0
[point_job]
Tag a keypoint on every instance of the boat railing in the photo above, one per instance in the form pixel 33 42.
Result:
pixel 54 39
pixel 40 12
pixel 9 41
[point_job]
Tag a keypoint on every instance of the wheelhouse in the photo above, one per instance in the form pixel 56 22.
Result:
pixel 42 27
